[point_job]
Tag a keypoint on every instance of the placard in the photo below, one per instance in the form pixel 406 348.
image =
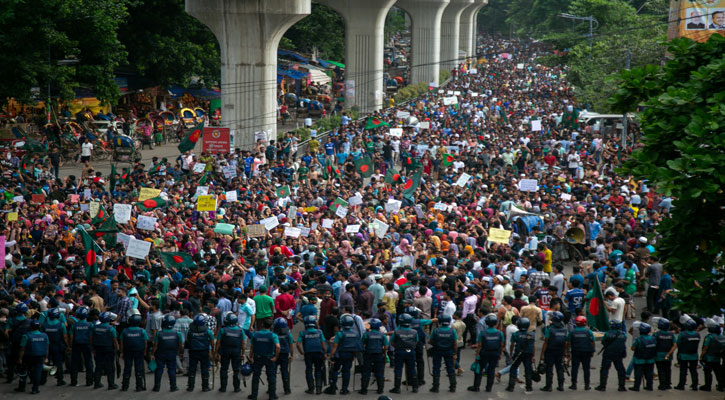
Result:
pixel 355 200
pixel 397 132
pixel 74 198
pixel 123 238
pixel 440 206
pixel 122 213
pixel 305 232
pixel 87 194
pixel 146 223
pixel 206 203
pixel 201 191
pixel 528 185
pixel 424 125
pixel 473 71
pixel 37 198
pixel 13 216
pixel 270 223
pixel 216 140
pixel 148 193
pixel 381 228
pixel 496 235
pixel 457 93
pixel 419 212
pixel 93 208
pixel 229 172
pixel 520 66
pixel 474 94
pixel 463 180
pixel 198 168
pixel 352 229
pixel 292 212
pixel 393 206
pixel 85 207
pixel 327 223
pixel 565 196
pixel 337 204
pixel 224 229
pixel 536 125
pixel 402 114
pixel 313 226
pixel 292 232
pixel 341 211
pixel 138 248
pixel 231 195
pixel 256 230
pixel 447 101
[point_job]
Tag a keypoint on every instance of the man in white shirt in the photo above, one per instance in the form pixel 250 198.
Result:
pixel 558 280
pixel 86 151
pixel 498 290
pixel 614 305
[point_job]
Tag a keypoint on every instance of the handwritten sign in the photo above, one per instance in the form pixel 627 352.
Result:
pixel 397 132
pixel 496 235
pixel 122 213
pixel 393 206
pixel 93 208
pixel 270 223
pixel 74 198
pixel 123 238
pixel 199 168
pixel 256 230
pixel 146 223
pixel 231 195
pixel 327 223
pixel 138 248
pixel 536 125
pixel 528 185
pixel 206 203
pixel 355 200
pixel 229 172
pixel 381 228
pixel 292 232
pixel 440 206
pixel 424 125
pixel 85 207
pixel 341 211
pixel 305 231
pixel 565 196
pixel 352 229
pixel 447 101
pixel 201 191
pixel 13 216
pixel 463 179
pixel 148 193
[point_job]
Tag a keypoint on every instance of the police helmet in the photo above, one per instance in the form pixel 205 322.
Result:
pixel 168 321
pixel 690 325
pixel 644 328
pixel 310 321
pixel 280 326
pixel 82 312
pixel 199 320
pixel 375 324
pixel 230 319
pixel 135 320
pixel 53 313
pixel 445 320
pixel 105 317
pixel 580 321
pixel 523 323
pixel 21 309
pixel 246 369
pixel 714 329
pixel 35 324
pixel 615 324
pixel 347 321
pixel 384 398
pixel 663 324
pixel 405 320
pixel 412 311
pixel 491 320
pixel 557 316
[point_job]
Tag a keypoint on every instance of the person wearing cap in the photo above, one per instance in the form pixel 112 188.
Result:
pixel 263 354
pixel 580 349
pixel 713 351
pixel 33 354
pixel 104 342
pixel 614 349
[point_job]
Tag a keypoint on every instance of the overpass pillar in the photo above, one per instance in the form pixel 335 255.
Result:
pixel 248 32
pixel 469 30
pixel 426 46
pixel 450 33
pixel 364 43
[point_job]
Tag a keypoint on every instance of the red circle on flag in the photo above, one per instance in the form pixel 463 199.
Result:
pixel 195 136
pixel 177 259
pixel 408 184
pixel 99 234
pixel 90 257
pixel 449 159
pixel 101 214
pixel 594 306
pixel 150 203
pixel 376 121
pixel 396 177
pixel 364 168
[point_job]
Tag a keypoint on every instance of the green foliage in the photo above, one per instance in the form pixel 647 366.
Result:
pixel 394 22
pixel 323 29
pixel 410 92
pixel 684 157
pixel 168 46
pixel 492 17
pixel 36 34
pixel 323 125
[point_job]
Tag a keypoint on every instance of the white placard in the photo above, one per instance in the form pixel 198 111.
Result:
pixel 473 71
pixel 536 125
pixel 18 199
pixel 381 228
pixel 393 206
pixel 457 93
pixel 313 226
pixel 327 223
pixel 93 208
pixel 146 223
pixel 231 195
pixel 402 114
pixel 305 232
pixel 397 132
pixel 292 212
pixel 229 172
pixel 199 167
pixel 355 200
pixel 122 213
pixel 565 196
pixel 440 206
pixel 463 179
pixel 138 248
pixel 441 91
pixel 352 229
pixel 201 191
pixel 424 125
pixel 528 185
pixel 520 66
pixel 474 94
pixel 292 232
pixel 449 93
pixel 419 212
pixel 270 223
pixel 85 207
pixel 87 193
pixel 433 84
pixel 123 238
pixel 341 211
pixel 447 101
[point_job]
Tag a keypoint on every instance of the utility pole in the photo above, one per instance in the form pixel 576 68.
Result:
pixel 593 24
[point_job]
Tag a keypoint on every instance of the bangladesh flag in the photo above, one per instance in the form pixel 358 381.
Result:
pixel 91 251
pixel 204 178
pixel 447 159
pixel 364 167
pixel 596 312
pixel 392 176
pixel 190 140
pixel 158 167
pixel 412 184
pixel 125 176
pixel 107 231
pixel 151 204
pixel 283 191
pixel 375 122
pixel 411 162
pixel 178 260
pixel 330 170
pixel 101 217
pixel 337 203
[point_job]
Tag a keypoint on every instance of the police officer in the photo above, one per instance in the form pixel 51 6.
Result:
pixel 264 353
pixel 200 341
pixel 581 349
pixel 346 343
pixel 58 339
pixel 645 352
pixel 168 343
pixel 688 343
pixel 311 344
pixel 405 340
pixel 375 345
pixel 19 326
pixel 614 349
pixel 80 339
pixel 230 349
pixel 491 344
pixel 33 353
pixel 133 349
pixel 445 346
pixel 665 342
pixel 286 352
pixel 417 324
pixel 104 342
pixel 552 351
pixel 523 347
pixel 713 349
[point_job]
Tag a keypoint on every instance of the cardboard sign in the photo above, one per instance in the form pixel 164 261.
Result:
pixel 463 179
pixel 256 230
pixel 270 223
pixel 231 195
pixel 198 168
pixel 13 216
pixel 224 229
pixel 496 235
pixel 216 140
pixel 206 203
pixel 341 211
pixel 229 172
pixel 292 232
pixel 528 185
pixel 122 213
pixel 327 223
pixel 352 229
pixel 93 208
pixel 146 223
pixel 148 193
pixel 536 125
pixel 138 248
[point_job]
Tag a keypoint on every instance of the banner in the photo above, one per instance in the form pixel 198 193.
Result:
pixel 496 235
pixel 206 203
pixel 148 193
pixel 699 19
pixel 216 140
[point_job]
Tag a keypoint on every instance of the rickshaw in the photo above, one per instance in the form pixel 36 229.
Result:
pixel 125 149
pixel 290 99
pixel 187 117
pixel 144 131
pixel 200 113
pixel 302 107
pixel 314 108
pixel 74 128
pixel 570 248
pixel 169 118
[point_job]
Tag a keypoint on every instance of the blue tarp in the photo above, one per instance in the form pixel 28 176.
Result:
pixel 203 93
pixel 290 73
pixel 292 55
pixel 324 64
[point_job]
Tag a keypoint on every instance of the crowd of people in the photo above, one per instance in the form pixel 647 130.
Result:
pixel 377 240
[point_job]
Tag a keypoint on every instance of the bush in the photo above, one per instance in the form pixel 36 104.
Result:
pixel 443 76
pixel 323 125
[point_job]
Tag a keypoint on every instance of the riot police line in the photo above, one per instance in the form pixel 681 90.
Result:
pixel 36 343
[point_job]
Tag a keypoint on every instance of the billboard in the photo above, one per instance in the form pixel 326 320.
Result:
pixel 216 140
pixel 699 19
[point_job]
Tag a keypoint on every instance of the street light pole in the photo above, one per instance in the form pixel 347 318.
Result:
pixel 593 24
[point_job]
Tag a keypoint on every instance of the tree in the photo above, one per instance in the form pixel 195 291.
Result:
pixel 684 157
pixel 36 34
pixel 323 29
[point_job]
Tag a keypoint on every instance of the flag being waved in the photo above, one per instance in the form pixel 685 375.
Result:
pixel 364 167
pixel 375 122
pixel 412 184
pixel 190 140
pixel 178 260
pixel 596 311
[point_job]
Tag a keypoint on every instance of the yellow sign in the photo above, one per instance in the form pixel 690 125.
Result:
pixel 496 235
pixel 148 193
pixel 699 19
pixel 12 217
pixel 206 203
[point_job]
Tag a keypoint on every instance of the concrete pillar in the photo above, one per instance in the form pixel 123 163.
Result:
pixel 450 32
pixel 364 43
pixel 248 32
pixel 469 27
pixel 426 47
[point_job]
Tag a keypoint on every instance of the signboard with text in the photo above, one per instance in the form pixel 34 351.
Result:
pixel 216 140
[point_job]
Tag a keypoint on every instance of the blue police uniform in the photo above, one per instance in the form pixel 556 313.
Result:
pixel 688 343
pixel 285 341
pixel 312 344
pixel 523 353
pixel 199 340
pixel 35 344
pixel 56 332
pixel 167 347
pixel 348 343
pixel 443 339
pixel 102 337
pixel 264 344
pixel 489 341
pixel 554 354
pixel 19 326
pixel 581 340
pixel 715 343
pixel 645 352
pixel 81 351
pixel 614 351
pixel 374 360
pixel 230 340
pixel 665 340
pixel 405 340
pixel 418 325
pixel 134 347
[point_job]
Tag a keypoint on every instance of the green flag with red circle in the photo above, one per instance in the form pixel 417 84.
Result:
pixel 283 191
pixel 411 185
pixel 101 217
pixel 364 167
pixel 448 159
pixel 596 311
pixel 392 176
pixel 151 204
pixel 191 139
pixel 91 250
pixel 375 122
pixel 176 259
